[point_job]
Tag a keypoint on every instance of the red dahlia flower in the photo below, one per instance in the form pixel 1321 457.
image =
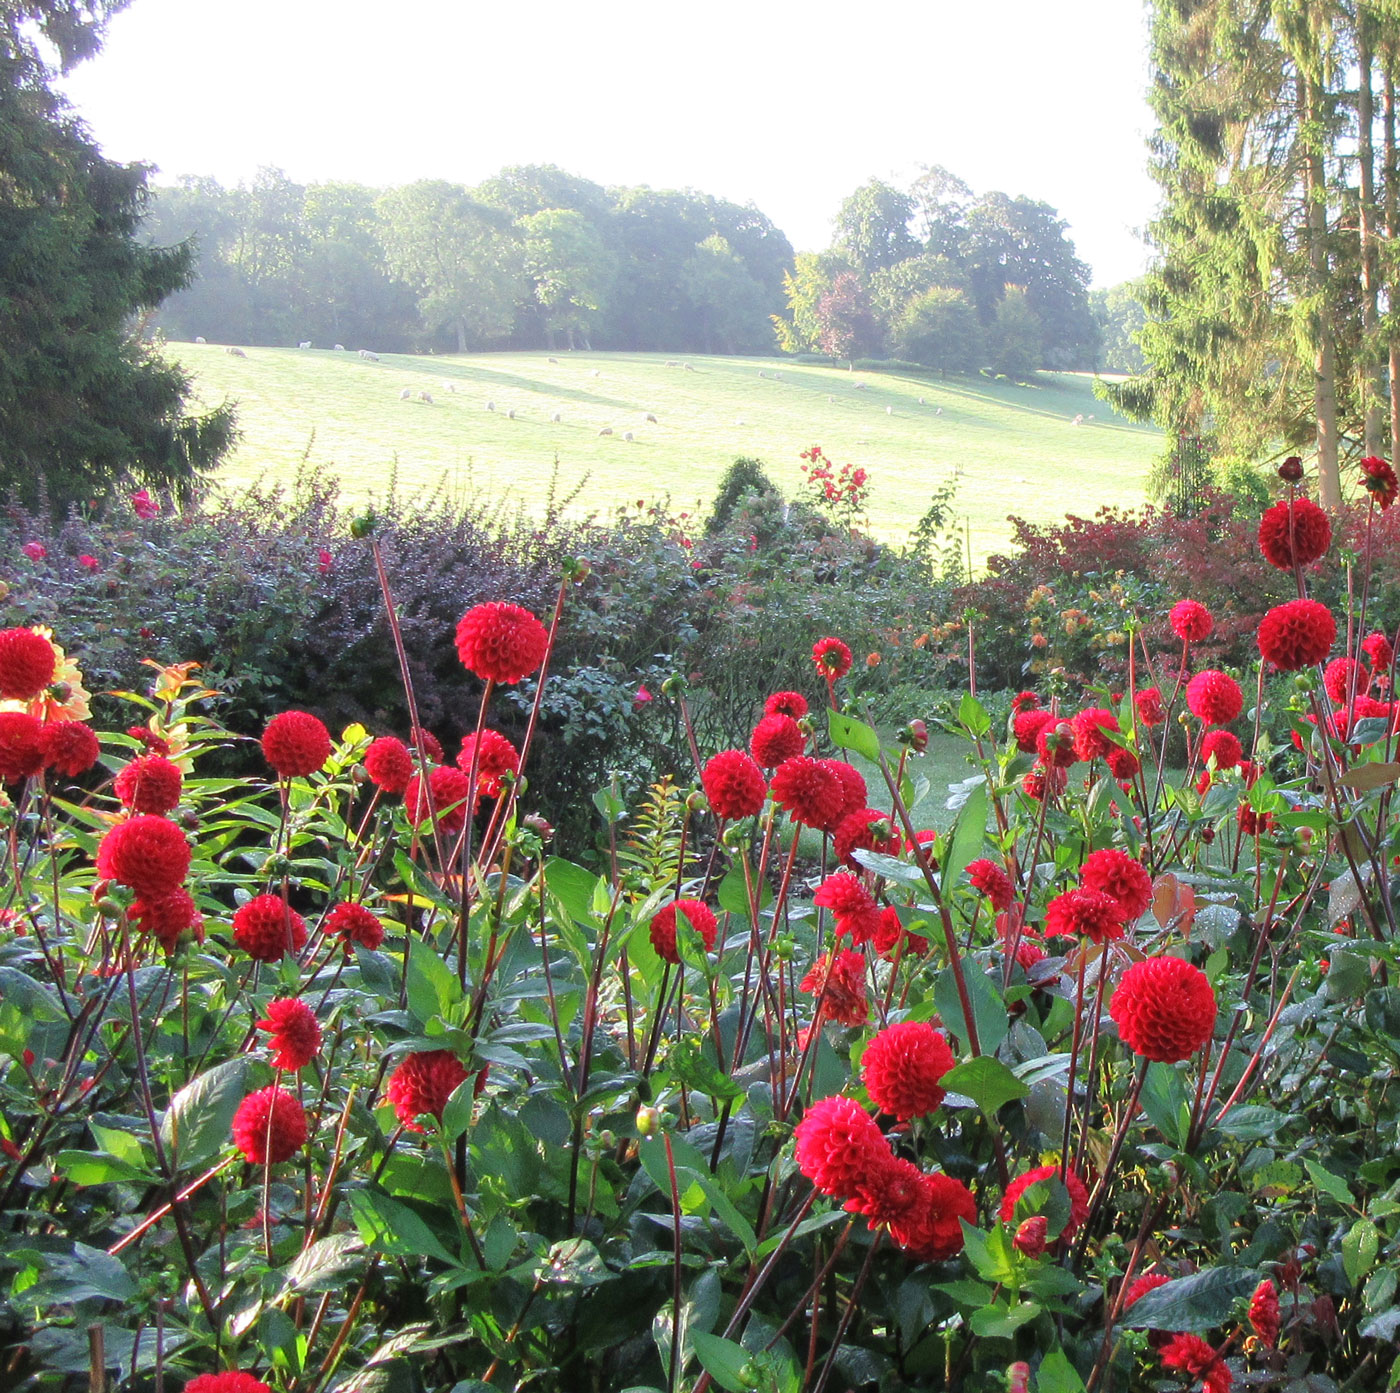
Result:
pixel 891 932
pixel 234 1381
pixel 1122 763
pixel 1054 744
pixel 1297 634
pixel 775 739
pixel 149 784
pixel 1191 621
pixel 150 854
pixel 1149 707
pixel 27 664
pixel 1224 748
pixel 448 795
pixel 832 657
pixel 1078 1196
pixel 1195 1358
pixel 1378 479
pixel 296 744
pixel 1142 1285
pixel 1084 913
pixel 1026 727
pixel 498 758
pixel 838 982
pixel 1294 532
pixel 811 791
pixel 1344 677
pixel 267 928
pixel 792 704
pixel 389 764
pixel 352 923
pixel 992 881
pixel 866 830
pixel 734 784
pixel 888 1192
pixel 1117 874
pixel 901 1067
pixel 269 1126
pixel 1263 1312
pixel 168 918
pixel 837 1144
pixel 1214 697
pixel 697 914
pixel 851 905
pixel 1041 780
pixel 1164 1008
pixel 1091 727
pixel 1024 701
pixel 426 743
pixel 1380 653
pixel 932 1232
pixel 21 746
pixel 501 642
pixel 295 1031
pixel 422 1084
pixel 69 747
pixel 852 784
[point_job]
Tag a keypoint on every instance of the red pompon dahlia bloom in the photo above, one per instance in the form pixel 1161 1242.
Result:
pixel 448 795
pixel 267 928
pixel 832 657
pixel 1117 874
pixel 1378 479
pixel 851 905
pixel 501 642
pixel 932 1232
pixel 269 1126
pixel 837 1145
pixel 838 982
pixel 1380 653
pixel 734 784
pixel 234 1381
pixel 1142 1285
pixel 1304 542
pixel 1054 743
pixel 1224 748
pixel 295 744
pixel 1191 621
pixel 1041 780
pixel 1149 706
pixel 810 791
pixel 992 881
pixel 1343 678
pixel 498 758
pixel 1164 1009
pixel 149 784
pixel 775 739
pixel 901 1067
pixel 697 914
pixel 1263 1312
pixel 21 746
pixel 422 1084
pixel 27 664
pixel 1078 1197
pixel 426 743
pixel 1024 701
pixel 295 1031
pixel 168 918
pixel 1026 728
pixel 69 747
pixel 888 1192
pixel 792 704
pixel 852 783
pixel 1091 727
pixel 150 854
pixel 353 924
pixel 1214 697
pixel 1297 634
pixel 1084 913
pixel 1122 763
pixel 389 764
pixel 1193 1357
pixel 891 932
pixel 866 830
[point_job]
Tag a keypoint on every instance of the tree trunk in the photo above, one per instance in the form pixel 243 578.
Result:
pixel 1324 353
pixel 1370 368
pixel 461 336
pixel 1392 225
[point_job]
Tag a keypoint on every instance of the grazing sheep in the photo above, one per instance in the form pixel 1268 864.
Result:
pixel 510 415
pixel 237 352
pixel 1078 421
pixel 406 394
pixel 607 430
pixel 449 386
pixel 652 419
pixel 556 418
pixel 368 356
pixel 739 421
pixel 490 406
pixel 922 402
pixel 555 361
pixel 426 398
pixel 672 363
pixel 687 367
pixel 595 373
pixel 340 348
pixel 762 374
pixel 199 338
pixel 830 400
pixel 777 377
pixel 1089 417
pixel 627 436
pixel 938 411
pixel 889 411
pixel 305 343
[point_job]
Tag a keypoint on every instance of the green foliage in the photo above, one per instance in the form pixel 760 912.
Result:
pixel 743 477
pixel 939 329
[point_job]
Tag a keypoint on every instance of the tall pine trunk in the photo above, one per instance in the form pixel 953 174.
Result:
pixel 1392 225
pixel 1320 330
pixel 1370 368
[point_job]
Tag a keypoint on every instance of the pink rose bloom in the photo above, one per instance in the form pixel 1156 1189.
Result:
pixel 144 505
pixel 88 563
pixel 35 551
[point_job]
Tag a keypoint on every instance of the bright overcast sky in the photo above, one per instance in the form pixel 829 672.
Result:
pixel 789 106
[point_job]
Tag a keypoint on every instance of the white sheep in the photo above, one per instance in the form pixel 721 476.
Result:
pixel 607 430
pixel 889 411
pixel 340 348
pixel 490 406
pixel 555 361
pixel 556 418
pixel 406 394
pixel 510 415
pixel 672 363
pixel 199 338
pixel 652 419
pixel 368 356
pixel 860 386
pixel 627 436
pixel 777 377
pixel 426 398
pixel 762 374
pixel 306 343
pixel 739 421
pixel 922 402
pixel 1078 421
pixel 938 411
pixel 687 367
pixel 830 400
pixel 236 352
pixel 595 373
pixel 1089 417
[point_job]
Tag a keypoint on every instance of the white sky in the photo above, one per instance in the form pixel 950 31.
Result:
pixel 787 105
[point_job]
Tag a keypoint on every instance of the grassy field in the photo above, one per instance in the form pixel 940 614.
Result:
pixel 1013 448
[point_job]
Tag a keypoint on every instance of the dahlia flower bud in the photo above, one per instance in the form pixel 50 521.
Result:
pixel 915 735
pixel 1291 470
pixel 364 525
pixel 648 1121
pixel 1030 1236
pixel 577 569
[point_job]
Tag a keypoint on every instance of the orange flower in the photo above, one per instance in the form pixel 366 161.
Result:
pixel 872 660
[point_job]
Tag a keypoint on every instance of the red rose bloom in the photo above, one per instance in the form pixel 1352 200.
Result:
pixel 1191 621
pixel 837 1145
pixel 792 704
pixel 1195 1358
pixel 1308 538
pixel 1164 1008
pixel 1263 1312
pixel 1090 738
pixel 838 982
pixel 1214 697
pixel 811 791
pixel 1380 653
pixel 150 854
pixel 149 784
pixel 267 928
pixel 269 1126
pixel 1117 874
pixel 867 830
pixel 21 748
pixel 1078 1196
pixel 422 1084
pixel 1142 1285
pixel 295 1031
pixel 498 758
pixel 296 743
pixel 1024 701
pixel 851 905
pixel 832 657
pixel 353 923
pixel 1297 634
pixel 27 664
pixel 1344 677
pixel 1149 707
pixel 168 918
pixel 234 1381
pixel 775 739
pixel 69 747
pixel 389 764
pixel 734 784
pixel 1084 913
pixel 1223 747
pixel 901 1067
pixel 1378 479
pixel 992 881
pixel 1026 728
pixel 501 642
pixel 932 1231
pixel 697 914
pixel 1055 745
pixel 448 795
